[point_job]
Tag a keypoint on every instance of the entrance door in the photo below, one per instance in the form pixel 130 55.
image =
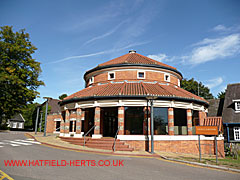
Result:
pixel 110 121
pixel 88 122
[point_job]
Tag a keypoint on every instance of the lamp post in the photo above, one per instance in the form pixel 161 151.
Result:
pixel 40 124
pixel 45 124
pixel 150 99
pixel 36 122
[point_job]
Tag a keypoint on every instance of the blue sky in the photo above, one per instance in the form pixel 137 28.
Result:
pixel 200 38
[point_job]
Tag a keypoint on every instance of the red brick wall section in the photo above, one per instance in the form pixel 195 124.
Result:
pixel 188 147
pixel 202 116
pixel 97 121
pixel 189 121
pixel 51 124
pixel 132 75
pixel 78 121
pixel 121 120
pixel 67 121
pixel 170 121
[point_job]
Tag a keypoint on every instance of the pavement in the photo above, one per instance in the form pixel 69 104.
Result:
pixel 128 166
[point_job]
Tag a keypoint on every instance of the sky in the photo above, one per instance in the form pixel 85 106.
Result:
pixel 200 38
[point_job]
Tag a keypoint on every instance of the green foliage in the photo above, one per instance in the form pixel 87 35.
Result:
pixel 192 86
pixel 221 95
pixel 19 72
pixel 62 96
pixel 29 113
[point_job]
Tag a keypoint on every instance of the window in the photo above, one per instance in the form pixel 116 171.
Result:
pixel 236 133
pixel 160 121
pixel 237 106
pixel 133 123
pixel 58 123
pixel 91 80
pixel 141 75
pixel 167 77
pixel 180 121
pixel 20 125
pixel 111 75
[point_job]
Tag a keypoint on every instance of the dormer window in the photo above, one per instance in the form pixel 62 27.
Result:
pixel 237 106
pixel 167 77
pixel 91 80
pixel 111 75
pixel 141 75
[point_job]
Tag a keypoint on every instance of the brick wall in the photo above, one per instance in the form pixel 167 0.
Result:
pixel 132 75
pixel 51 125
pixel 191 147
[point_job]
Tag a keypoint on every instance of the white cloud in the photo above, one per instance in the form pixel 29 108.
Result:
pixel 220 28
pixel 99 53
pixel 159 57
pixel 212 83
pixel 105 34
pixel 212 49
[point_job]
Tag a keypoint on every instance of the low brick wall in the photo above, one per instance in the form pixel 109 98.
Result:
pixel 179 146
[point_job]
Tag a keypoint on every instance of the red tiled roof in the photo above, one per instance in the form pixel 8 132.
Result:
pixel 134 58
pixel 135 89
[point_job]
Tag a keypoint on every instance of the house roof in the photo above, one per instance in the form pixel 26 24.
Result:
pixel 17 117
pixel 133 58
pixel 55 108
pixel 229 114
pixel 135 89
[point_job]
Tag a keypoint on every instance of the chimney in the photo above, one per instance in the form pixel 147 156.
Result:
pixel 132 51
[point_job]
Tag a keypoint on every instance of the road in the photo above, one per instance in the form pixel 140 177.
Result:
pixel 129 167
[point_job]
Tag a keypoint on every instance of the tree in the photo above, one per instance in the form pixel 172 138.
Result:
pixel 62 96
pixel 221 95
pixel 19 72
pixel 196 88
pixel 29 113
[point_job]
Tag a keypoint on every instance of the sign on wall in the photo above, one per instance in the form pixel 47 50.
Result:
pixel 206 130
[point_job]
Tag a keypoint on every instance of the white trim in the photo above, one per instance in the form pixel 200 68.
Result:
pixel 237 106
pixel 91 80
pixel 56 132
pixel 169 77
pixel 72 119
pixel 57 119
pixel 236 132
pixel 165 137
pixel 144 74
pixel 78 135
pixel 109 78
pixel 96 136
pixel 140 103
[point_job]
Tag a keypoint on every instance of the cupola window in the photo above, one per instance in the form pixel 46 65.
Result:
pixel 141 75
pixel 167 77
pixel 111 75
pixel 91 80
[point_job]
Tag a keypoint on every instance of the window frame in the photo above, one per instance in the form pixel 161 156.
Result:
pixel 91 80
pixel 169 77
pixel 109 77
pixel 144 74
pixel 237 106
pixel 236 130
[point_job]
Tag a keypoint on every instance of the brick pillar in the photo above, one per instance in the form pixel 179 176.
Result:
pixel 62 125
pixel 170 121
pixel 55 124
pixel 121 120
pixel 78 121
pixel 67 121
pixel 97 123
pixel 189 121
pixel 202 116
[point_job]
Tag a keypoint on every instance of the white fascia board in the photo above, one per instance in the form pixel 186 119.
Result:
pixel 165 138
